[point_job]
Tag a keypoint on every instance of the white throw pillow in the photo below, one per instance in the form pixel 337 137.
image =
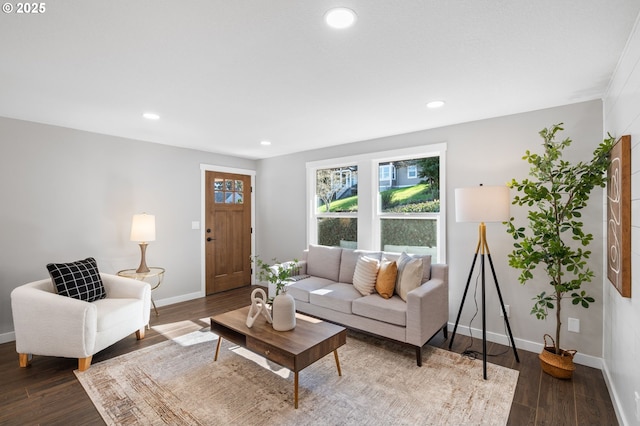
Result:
pixel 364 277
pixel 409 275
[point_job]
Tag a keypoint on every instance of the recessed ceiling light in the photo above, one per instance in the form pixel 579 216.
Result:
pixel 151 116
pixel 265 143
pixel 340 17
pixel 435 104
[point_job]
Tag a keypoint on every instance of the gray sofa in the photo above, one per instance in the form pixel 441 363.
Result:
pixel 328 293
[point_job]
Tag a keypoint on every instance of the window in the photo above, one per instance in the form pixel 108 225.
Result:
pixel 227 191
pixel 402 211
pixel 408 212
pixel 336 206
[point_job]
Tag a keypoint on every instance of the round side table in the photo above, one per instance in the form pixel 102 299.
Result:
pixel 155 273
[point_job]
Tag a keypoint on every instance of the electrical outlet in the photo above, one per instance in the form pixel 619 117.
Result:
pixel 506 308
pixel 574 325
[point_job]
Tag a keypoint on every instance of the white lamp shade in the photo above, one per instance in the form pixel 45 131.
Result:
pixel 143 227
pixel 482 204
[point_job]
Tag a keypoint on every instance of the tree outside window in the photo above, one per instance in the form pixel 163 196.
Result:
pixel 337 203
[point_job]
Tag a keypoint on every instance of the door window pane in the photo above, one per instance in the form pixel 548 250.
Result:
pixel 217 184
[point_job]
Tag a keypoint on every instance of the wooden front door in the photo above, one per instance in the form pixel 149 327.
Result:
pixel 228 231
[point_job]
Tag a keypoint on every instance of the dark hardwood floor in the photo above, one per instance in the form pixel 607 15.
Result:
pixel 48 393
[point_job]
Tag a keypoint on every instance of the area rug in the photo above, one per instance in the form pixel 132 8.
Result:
pixel 177 382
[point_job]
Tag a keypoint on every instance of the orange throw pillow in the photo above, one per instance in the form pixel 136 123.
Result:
pixel 386 280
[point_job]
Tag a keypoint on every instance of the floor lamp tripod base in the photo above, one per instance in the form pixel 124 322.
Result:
pixel 483 250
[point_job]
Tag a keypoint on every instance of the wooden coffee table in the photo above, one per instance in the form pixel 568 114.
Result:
pixel 296 349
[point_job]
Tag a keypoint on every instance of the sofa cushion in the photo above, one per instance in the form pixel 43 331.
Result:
pixel 337 297
pixel 79 280
pixel 112 313
pixel 364 277
pixel 409 275
pixel 300 290
pixel 349 260
pixel 324 262
pixel 393 310
pixel 386 280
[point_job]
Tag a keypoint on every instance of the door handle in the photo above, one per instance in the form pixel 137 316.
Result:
pixel 210 239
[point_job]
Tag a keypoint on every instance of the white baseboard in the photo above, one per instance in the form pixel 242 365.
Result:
pixel 178 299
pixel 614 395
pixel 7 337
pixel 588 360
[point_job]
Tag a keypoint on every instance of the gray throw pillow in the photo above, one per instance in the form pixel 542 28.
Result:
pixel 409 275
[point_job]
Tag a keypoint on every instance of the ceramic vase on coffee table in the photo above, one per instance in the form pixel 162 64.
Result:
pixel 284 312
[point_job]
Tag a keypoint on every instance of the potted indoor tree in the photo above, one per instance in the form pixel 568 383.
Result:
pixel 554 239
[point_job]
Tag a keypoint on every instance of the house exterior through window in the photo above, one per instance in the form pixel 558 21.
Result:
pixel 402 211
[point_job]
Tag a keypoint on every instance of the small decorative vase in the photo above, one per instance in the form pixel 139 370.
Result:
pixel 284 312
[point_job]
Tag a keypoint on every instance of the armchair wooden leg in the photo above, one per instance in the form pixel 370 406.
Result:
pixel 25 360
pixel 140 334
pixel 84 363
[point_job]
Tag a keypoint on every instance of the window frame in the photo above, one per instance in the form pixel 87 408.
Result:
pixel 412 172
pixel 368 214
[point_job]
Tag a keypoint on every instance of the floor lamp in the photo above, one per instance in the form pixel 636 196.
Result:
pixel 483 204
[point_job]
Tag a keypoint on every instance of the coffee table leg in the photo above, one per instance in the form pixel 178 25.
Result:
pixel 218 348
pixel 335 353
pixel 295 389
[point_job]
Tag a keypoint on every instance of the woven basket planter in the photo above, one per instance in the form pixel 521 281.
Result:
pixel 560 365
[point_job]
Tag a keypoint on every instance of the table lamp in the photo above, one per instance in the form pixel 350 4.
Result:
pixel 143 230
pixel 483 204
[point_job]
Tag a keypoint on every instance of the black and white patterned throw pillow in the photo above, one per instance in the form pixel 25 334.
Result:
pixel 79 280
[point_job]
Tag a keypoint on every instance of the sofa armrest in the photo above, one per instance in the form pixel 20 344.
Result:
pixel 118 287
pixel 49 324
pixel 428 306
pixel 440 271
pixel 302 266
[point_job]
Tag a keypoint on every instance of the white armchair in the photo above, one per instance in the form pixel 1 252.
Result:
pixel 53 325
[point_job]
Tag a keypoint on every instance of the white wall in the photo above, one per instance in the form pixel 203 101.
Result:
pixel 621 344
pixel 67 194
pixel 488 152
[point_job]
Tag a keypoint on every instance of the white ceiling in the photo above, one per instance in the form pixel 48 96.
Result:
pixel 226 74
